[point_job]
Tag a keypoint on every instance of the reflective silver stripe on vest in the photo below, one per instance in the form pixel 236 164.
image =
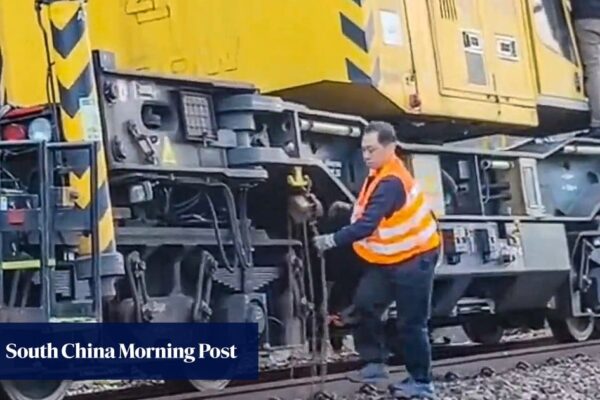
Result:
pixel 404 246
pixel 412 222
pixel 401 229
pixel 355 213
pixel 413 194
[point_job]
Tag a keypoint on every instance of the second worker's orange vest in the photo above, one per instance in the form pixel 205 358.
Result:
pixel 408 232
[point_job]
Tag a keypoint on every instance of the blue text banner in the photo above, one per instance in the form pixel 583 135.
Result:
pixel 162 351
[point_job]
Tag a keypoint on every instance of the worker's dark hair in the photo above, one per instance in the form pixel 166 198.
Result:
pixel 386 134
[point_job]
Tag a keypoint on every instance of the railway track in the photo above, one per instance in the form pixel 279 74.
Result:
pixel 297 383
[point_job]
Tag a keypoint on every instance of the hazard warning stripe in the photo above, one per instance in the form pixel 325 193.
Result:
pixel 76 87
pixel 360 32
pixel 363 69
pixel 105 225
pixel 82 87
pixel 81 178
pixel 363 38
pixel 356 74
pixel 354 33
pixel 68 36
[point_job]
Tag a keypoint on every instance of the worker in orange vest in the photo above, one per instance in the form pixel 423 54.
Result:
pixel 395 233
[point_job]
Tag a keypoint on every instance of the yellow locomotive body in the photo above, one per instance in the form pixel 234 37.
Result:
pixel 503 64
pixel 180 145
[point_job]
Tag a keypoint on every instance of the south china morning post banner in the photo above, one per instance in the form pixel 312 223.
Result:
pixel 161 351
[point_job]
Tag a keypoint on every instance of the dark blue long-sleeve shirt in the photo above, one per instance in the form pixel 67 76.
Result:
pixel 389 196
pixel 585 9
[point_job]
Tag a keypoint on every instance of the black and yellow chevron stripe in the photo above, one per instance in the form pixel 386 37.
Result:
pixel 79 112
pixel 360 32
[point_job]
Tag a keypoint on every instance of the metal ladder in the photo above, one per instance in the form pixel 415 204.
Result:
pixel 46 226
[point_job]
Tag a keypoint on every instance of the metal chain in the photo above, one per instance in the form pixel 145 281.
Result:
pixel 311 291
pixel 324 313
pixel 299 181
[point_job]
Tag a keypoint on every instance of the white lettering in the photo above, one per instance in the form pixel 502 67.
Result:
pixel 64 352
pixel 45 351
pixel 232 350
pixel 130 351
pixel 76 350
pixel 169 352
pixel 125 352
pixel 10 348
pixel 216 352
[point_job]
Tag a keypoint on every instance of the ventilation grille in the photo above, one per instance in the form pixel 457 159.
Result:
pixel 448 9
pixel 199 117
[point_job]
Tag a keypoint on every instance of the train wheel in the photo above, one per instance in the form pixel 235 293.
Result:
pixel 596 334
pixel 483 330
pixel 35 390
pixel 203 385
pixel 572 329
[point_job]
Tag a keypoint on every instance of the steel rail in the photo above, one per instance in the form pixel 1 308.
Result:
pixel 297 383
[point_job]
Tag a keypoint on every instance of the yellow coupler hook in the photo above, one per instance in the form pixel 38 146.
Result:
pixel 298 180
pixel 303 205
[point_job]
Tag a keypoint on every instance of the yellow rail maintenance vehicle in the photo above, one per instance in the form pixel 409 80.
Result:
pixel 450 67
pixel 155 208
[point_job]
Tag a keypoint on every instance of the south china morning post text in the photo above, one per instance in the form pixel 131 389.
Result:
pixel 169 351
pixel 129 351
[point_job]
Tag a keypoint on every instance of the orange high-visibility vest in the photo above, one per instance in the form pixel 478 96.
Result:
pixel 409 231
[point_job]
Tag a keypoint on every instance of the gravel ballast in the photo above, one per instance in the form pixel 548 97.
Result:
pixel 570 378
pixel 573 378
pixel 85 387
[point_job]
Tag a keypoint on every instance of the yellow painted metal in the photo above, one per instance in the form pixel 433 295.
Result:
pixel 487 69
pixel 359 56
pixel 2 75
pixel 513 70
pixel 297 179
pixel 24 264
pixel 558 66
pixel 450 27
pixel 80 120
pixel 24 69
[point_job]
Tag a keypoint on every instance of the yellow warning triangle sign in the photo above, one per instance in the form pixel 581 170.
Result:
pixel 168 156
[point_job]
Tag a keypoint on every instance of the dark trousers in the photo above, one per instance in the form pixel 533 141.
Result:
pixel 409 285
